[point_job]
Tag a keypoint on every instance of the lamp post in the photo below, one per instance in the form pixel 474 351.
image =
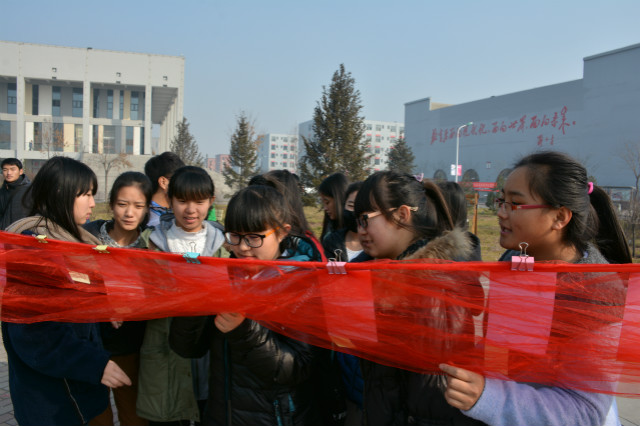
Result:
pixel 458 146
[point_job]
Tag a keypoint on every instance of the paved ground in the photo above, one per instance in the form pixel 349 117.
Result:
pixel 629 408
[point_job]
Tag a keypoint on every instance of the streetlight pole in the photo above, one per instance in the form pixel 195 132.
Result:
pixel 458 146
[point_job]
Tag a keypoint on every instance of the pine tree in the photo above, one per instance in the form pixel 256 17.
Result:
pixel 337 144
pixel 185 146
pixel 243 155
pixel 401 157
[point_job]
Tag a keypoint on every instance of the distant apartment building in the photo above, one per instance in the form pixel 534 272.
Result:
pixel 277 151
pixel 82 101
pixel 378 135
pixel 219 162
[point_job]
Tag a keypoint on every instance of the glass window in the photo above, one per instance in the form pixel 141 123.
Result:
pixel 285 139
pixel 95 145
pixel 76 104
pixel 378 139
pixel 284 155
pixel 35 96
pixel 109 103
pixel 37 137
pixel 96 96
pixel 109 140
pixel 273 138
pixel 285 147
pixel 55 101
pixel 393 129
pixel 378 127
pixel 129 143
pixel 369 127
pixel 142 141
pixel 12 98
pixel 77 138
pixel 273 146
pixel 121 104
pixel 377 162
pixel 5 134
pixel 57 139
pixel 273 155
pixel 135 102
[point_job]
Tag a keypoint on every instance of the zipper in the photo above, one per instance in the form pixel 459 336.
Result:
pixel 75 403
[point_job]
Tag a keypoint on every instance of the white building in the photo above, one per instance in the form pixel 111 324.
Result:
pixel 379 137
pixel 591 119
pixel 277 151
pixel 84 101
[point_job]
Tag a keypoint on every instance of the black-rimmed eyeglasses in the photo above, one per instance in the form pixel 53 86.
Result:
pixel 252 240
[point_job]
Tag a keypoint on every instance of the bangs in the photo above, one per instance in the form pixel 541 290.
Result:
pixel 191 184
pixel 86 180
pixel 366 198
pixel 255 209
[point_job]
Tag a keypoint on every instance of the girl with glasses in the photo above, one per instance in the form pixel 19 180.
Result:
pixel 258 376
pixel 548 203
pixel 402 218
pixel 167 391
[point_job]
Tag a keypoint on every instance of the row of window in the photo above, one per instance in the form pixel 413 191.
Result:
pixel 285 156
pixel 283 164
pixel 76 102
pixel 380 127
pixel 284 147
pixel 283 138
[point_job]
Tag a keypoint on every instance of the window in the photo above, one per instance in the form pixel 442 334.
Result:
pixel 392 128
pixel 37 137
pixel 55 101
pixel 273 138
pixel 57 139
pixel 273 146
pixel 273 164
pixel 95 145
pixel 110 104
pixel 96 96
pixel 142 141
pixel 109 140
pixel 273 155
pixel 129 142
pixel 369 127
pixel 77 102
pixel 377 151
pixel 284 155
pixel 378 127
pixel 35 96
pixel 5 134
pixel 378 139
pixel 377 162
pixel 285 147
pixel 77 138
pixel 285 139
pixel 12 98
pixel 135 103
pixel 121 105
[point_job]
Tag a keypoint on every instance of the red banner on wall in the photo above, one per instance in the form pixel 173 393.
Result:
pixel 568 325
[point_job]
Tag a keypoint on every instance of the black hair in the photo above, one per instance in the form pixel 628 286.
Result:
pixel 11 162
pixel 256 208
pixel 288 185
pixel 191 183
pixel 161 165
pixel 456 201
pixel 334 187
pixel 137 179
pixel 561 181
pixel 354 187
pixel 387 190
pixel 55 188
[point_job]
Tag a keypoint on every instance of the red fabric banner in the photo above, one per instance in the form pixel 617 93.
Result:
pixel 561 324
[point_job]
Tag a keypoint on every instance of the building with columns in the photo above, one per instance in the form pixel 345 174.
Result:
pixel 84 101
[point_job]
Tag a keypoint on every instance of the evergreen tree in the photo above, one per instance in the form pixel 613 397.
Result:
pixel 337 144
pixel 401 157
pixel 243 155
pixel 185 146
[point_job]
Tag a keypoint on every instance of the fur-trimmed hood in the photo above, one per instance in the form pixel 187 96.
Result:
pixel 457 244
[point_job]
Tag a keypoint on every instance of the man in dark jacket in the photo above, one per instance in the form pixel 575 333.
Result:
pixel 14 187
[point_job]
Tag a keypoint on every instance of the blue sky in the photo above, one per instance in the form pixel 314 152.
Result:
pixel 271 58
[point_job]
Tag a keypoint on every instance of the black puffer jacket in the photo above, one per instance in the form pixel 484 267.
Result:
pixel 395 397
pixel 257 376
pixel 12 205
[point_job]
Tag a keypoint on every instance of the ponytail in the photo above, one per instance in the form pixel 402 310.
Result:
pixel 443 215
pixel 610 237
